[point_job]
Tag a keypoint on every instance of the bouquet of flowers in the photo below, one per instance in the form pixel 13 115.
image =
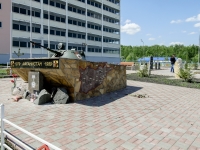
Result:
pixel 14 79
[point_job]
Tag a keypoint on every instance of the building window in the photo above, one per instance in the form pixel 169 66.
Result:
pixel 45 1
pixel 0 24
pixel 58 5
pixel 62 33
pixel 22 44
pixel 63 20
pixel 51 17
pixel 37 30
pixel 22 11
pixel 16 43
pixel 62 6
pixel 45 31
pixel 52 32
pixel 58 19
pixel 0 5
pixel 51 3
pixel 57 32
pixel 16 26
pixel 16 9
pixel 22 27
pixel 46 16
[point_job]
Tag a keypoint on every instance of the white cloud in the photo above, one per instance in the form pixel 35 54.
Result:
pixel 151 39
pixel 184 31
pixel 148 34
pixel 159 36
pixel 127 21
pixel 176 21
pixel 176 43
pixel 197 25
pixel 194 18
pixel 130 28
pixel 192 33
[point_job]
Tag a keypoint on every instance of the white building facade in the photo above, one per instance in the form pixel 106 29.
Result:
pixel 89 25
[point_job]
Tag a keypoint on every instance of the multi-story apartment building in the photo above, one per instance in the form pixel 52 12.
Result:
pixel 89 25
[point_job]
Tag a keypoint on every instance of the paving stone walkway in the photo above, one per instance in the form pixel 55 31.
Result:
pixel 168 119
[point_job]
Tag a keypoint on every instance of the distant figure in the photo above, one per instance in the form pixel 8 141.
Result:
pixel 173 60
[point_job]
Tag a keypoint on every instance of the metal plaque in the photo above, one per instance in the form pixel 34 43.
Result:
pixel 35 63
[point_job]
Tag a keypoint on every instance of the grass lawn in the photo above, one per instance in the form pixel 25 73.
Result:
pixel 160 79
pixel 3 72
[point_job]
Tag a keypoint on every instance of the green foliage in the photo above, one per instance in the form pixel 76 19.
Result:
pixel 160 79
pixel 195 66
pixel 143 72
pixel 185 74
pixel 186 65
pixel 187 53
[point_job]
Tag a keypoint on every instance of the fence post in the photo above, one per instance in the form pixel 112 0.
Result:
pixel 2 127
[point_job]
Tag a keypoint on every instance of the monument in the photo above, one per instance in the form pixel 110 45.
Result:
pixel 177 66
pixel 69 69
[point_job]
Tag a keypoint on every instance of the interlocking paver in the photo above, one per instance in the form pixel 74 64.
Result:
pixel 117 120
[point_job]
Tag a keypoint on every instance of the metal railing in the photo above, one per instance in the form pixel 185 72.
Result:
pixel 16 141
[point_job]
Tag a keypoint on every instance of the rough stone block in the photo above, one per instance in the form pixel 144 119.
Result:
pixel 43 97
pixel 61 96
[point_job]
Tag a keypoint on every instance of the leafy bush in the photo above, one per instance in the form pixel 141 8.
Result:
pixel 186 65
pixel 185 74
pixel 195 66
pixel 143 72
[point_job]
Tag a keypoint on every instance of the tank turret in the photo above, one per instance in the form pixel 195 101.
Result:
pixel 71 54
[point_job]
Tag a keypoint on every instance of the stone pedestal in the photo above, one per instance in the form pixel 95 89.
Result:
pixel 82 79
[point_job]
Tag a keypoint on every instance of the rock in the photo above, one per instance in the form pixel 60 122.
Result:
pixel 61 96
pixel 26 95
pixel 43 97
pixel 19 90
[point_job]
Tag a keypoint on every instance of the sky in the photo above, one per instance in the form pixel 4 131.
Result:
pixel 162 22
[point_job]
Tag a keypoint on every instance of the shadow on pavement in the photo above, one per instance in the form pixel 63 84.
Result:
pixel 109 97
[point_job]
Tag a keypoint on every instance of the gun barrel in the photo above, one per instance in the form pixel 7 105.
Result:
pixel 57 53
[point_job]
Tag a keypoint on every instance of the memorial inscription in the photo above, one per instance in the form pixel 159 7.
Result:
pixel 36 63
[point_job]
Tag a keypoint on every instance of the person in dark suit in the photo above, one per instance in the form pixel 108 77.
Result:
pixel 173 60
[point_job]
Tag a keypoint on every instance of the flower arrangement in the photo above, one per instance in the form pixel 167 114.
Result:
pixel 14 80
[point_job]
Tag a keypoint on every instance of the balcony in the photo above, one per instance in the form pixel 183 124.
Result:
pixel 94 20
pixel 21 17
pixel 112 25
pixel 76 15
pixel 111 55
pixel 27 50
pixel 76 40
pixel 36 20
pixel 22 2
pixel 76 28
pixel 112 35
pixel 92 31
pixel 112 5
pixel 112 45
pixel 21 34
pixel 54 9
pixel 77 3
pixel 93 8
pixel 94 43
pixel 35 4
pixel 54 24
pixel 93 54
pixel 112 15
pixel 55 38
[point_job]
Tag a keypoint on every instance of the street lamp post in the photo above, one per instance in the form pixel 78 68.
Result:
pixel 143 49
